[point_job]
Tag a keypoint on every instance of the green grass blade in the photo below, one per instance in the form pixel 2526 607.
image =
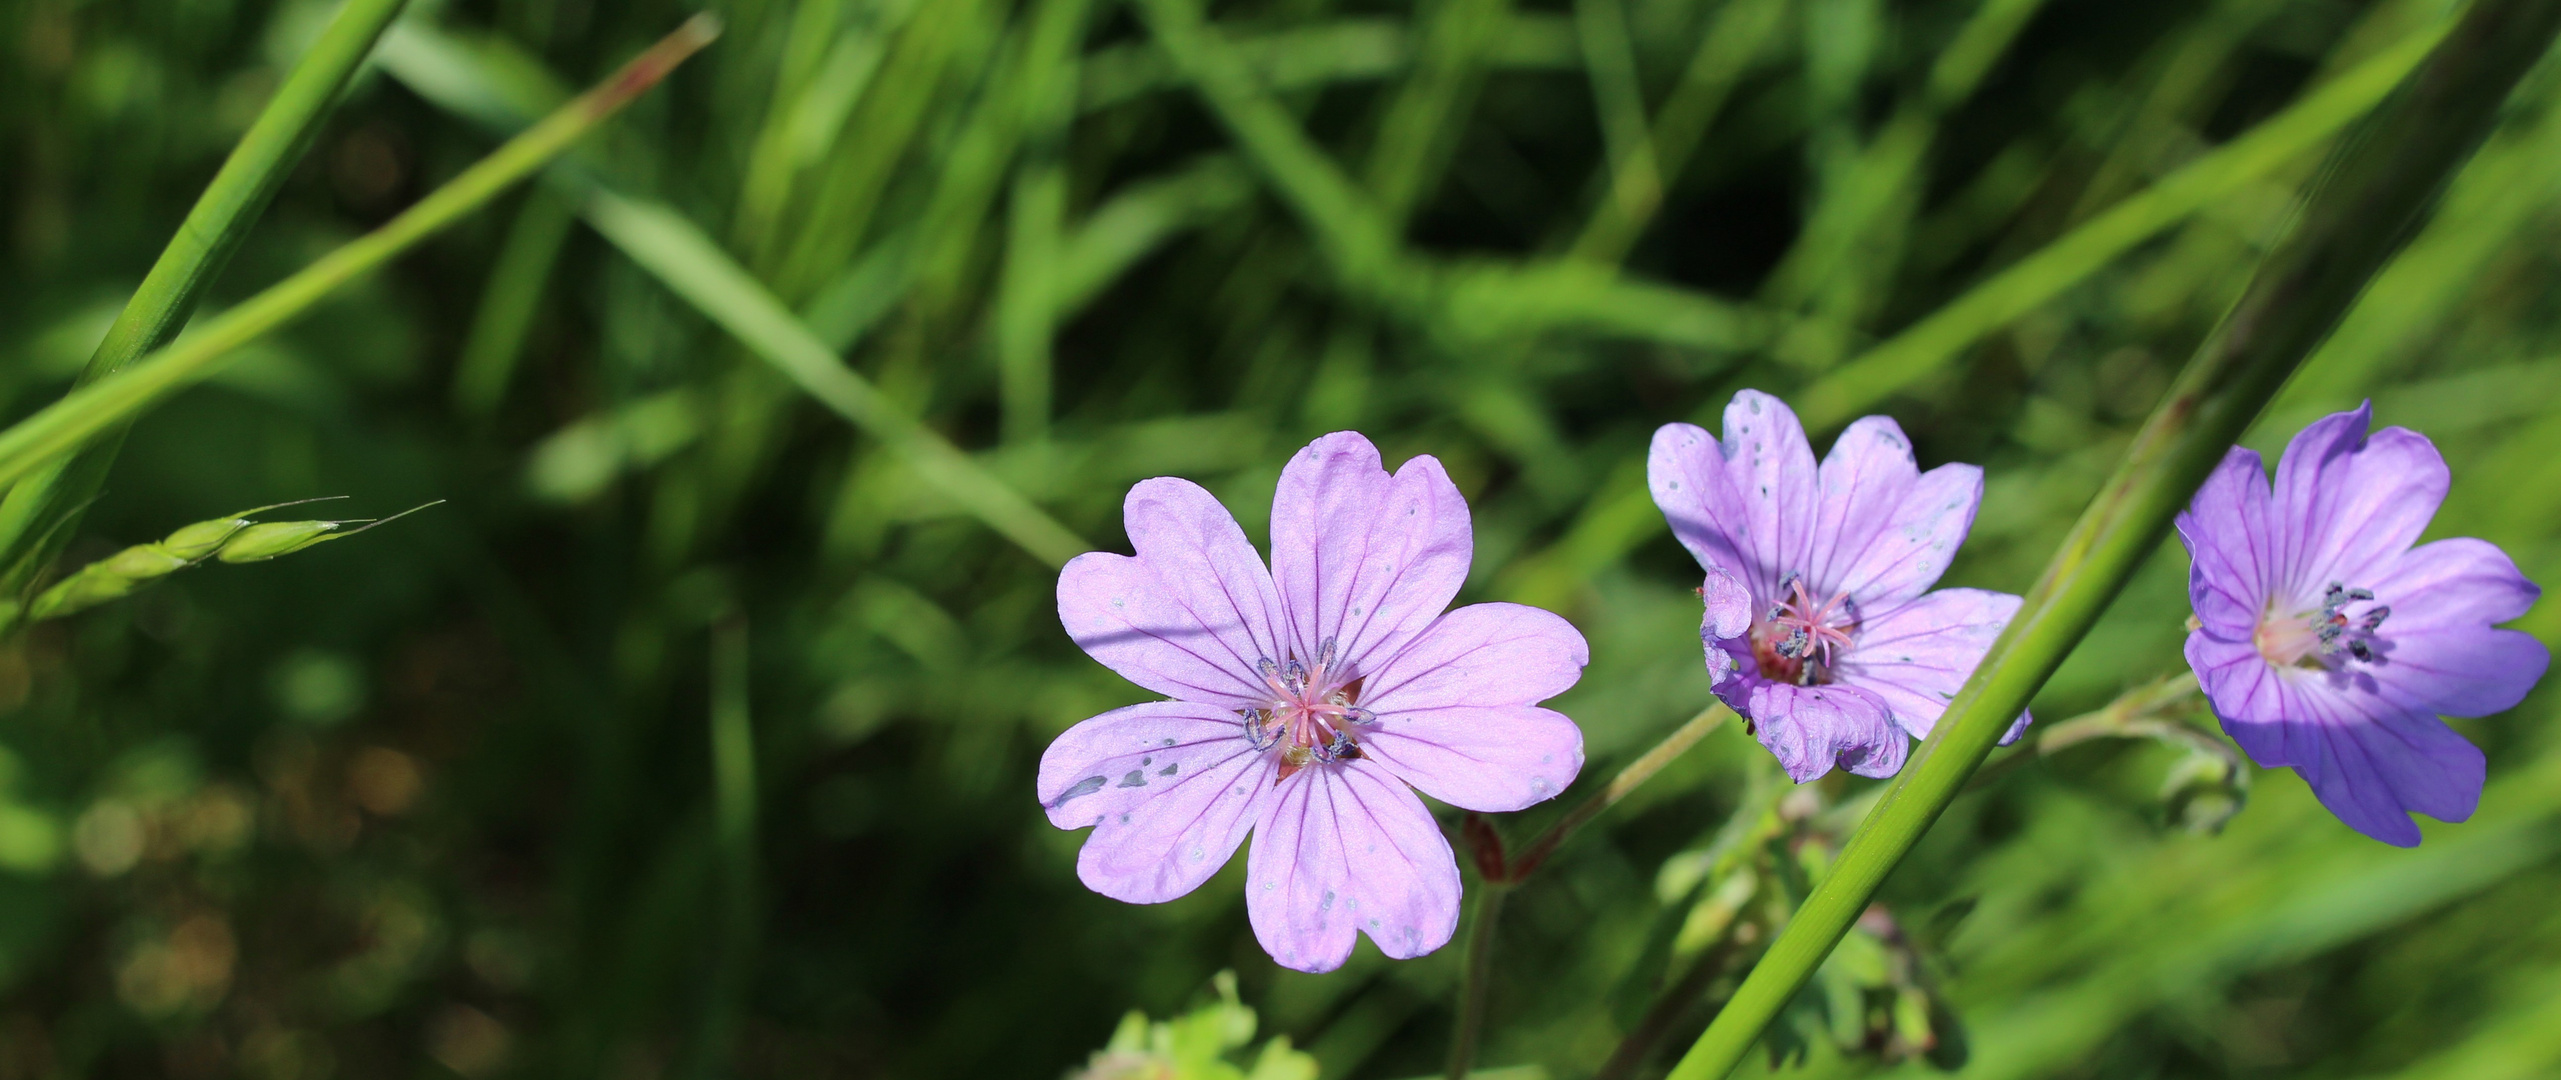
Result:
pixel 508 303
pixel 38 505
pixel 67 424
pixel 2355 220
pixel 670 247
pixel 1928 345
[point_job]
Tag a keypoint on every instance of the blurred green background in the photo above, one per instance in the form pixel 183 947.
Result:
pixel 441 801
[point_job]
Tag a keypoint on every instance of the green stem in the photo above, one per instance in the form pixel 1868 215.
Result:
pixel 67 424
pixel 1628 779
pixel 32 516
pixel 1479 982
pixel 1666 1012
pixel 2361 210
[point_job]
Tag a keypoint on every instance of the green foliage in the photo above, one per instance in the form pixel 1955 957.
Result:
pixel 1196 1046
pixel 482 796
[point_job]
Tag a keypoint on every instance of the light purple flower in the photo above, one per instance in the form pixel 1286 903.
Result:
pixel 2327 643
pixel 1307 698
pixel 1820 627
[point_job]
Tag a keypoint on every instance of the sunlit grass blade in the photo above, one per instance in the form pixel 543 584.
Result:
pixel 67 424
pixel 670 247
pixel 35 508
pixel 2359 213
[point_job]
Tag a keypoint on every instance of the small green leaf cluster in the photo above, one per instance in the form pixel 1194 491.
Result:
pixel 1196 1046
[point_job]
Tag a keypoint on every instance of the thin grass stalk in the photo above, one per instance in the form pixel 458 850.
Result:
pixel 733 783
pixel 2374 189
pixel 67 424
pixel 34 518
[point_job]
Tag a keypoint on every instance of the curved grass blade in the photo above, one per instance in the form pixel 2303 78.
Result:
pixel 2359 213
pixel 68 424
pixel 33 516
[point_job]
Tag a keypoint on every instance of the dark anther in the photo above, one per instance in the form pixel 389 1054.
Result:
pixel 2374 619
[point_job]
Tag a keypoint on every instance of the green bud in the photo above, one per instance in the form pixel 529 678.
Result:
pixel 200 539
pixel 144 561
pixel 269 539
pixel 87 587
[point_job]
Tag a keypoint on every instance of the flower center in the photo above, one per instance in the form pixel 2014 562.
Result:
pixel 1796 640
pixel 2322 639
pixel 1311 716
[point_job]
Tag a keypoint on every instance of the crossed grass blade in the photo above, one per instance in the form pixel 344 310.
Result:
pixel 71 423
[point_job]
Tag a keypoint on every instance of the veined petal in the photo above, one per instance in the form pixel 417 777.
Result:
pixel 2347 503
pixel 2251 700
pixel 1769 468
pixel 1488 758
pixel 1905 557
pixel 1481 654
pixel 1863 481
pixel 1812 728
pixel 1361 558
pixel 2376 764
pixel 1685 469
pixel 2230 543
pixel 2438 652
pixel 1724 627
pixel 1170 788
pixel 1916 656
pixel 1191 614
pixel 1348 848
pixel 1455 708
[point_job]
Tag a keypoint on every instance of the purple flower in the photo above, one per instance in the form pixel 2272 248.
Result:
pixel 2326 642
pixel 1820 629
pixel 1307 698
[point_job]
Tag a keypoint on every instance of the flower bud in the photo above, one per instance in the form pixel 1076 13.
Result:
pixel 269 539
pixel 144 561
pixel 196 541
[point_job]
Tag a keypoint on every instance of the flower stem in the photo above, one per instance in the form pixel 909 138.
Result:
pixel 80 416
pixel 2361 209
pixel 1628 779
pixel 1479 980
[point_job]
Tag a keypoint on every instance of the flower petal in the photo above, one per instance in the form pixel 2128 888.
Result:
pixel 2250 699
pixel 1189 615
pixel 1488 758
pixel 2375 764
pixel 1770 469
pixel 1747 504
pixel 2230 543
pixel 1863 481
pixel 1724 626
pixel 2438 652
pixel 1916 656
pixel 1685 469
pixel 1904 557
pixel 2369 759
pixel 1812 728
pixel 1361 558
pixel 1170 787
pixel 1481 654
pixel 1349 848
pixel 2349 503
